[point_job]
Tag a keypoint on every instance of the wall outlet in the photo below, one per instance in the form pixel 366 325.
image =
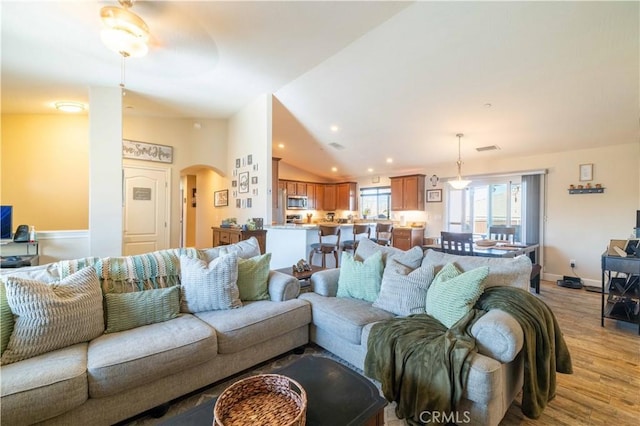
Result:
pixel 572 263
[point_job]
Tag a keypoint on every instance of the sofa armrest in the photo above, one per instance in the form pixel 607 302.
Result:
pixel 325 283
pixel 498 335
pixel 282 286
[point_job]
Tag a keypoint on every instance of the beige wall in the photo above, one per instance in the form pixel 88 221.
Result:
pixel 45 169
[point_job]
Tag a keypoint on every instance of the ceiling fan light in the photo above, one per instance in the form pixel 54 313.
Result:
pixel 459 183
pixel 68 106
pixel 124 32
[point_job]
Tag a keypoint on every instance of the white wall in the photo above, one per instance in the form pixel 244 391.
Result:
pixel 250 134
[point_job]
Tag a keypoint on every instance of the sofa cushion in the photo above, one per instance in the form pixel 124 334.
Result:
pixel 131 358
pixel 256 322
pixel 52 316
pixel 253 276
pixel 404 290
pixel 360 279
pixel 244 249
pixel 344 317
pixel 366 248
pixel 515 272
pixel 209 286
pixel 452 294
pixel 44 386
pixel 130 310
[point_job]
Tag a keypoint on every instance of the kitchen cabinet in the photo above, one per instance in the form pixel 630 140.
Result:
pixel 319 199
pixel 225 236
pixel 330 197
pixel 296 188
pixel 406 238
pixel 275 183
pixel 407 192
pixel 346 196
pixel 311 196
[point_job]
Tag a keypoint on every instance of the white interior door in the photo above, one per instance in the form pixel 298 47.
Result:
pixel 146 210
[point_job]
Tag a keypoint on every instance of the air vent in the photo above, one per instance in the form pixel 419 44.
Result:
pixel 336 145
pixel 487 148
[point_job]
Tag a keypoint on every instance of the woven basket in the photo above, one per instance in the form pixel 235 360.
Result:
pixel 263 400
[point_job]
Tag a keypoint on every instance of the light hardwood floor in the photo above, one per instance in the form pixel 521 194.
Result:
pixel 604 388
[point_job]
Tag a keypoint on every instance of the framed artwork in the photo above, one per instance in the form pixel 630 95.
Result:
pixel 254 180
pixel 234 183
pixel 586 172
pixel 237 163
pixel 238 203
pixel 243 182
pixel 147 151
pixel 249 159
pixel 249 202
pixel 221 198
pixel 434 195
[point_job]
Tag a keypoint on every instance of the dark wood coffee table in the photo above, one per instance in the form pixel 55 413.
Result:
pixel 303 276
pixel 336 395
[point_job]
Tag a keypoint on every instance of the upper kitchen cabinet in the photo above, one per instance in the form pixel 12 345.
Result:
pixel 407 192
pixel 275 183
pixel 311 196
pixel 346 196
pixel 296 188
pixel 330 197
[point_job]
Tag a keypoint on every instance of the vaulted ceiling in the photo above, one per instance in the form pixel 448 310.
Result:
pixel 356 83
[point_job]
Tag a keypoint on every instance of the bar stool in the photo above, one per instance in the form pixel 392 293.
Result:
pixel 384 234
pixel 329 243
pixel 359 232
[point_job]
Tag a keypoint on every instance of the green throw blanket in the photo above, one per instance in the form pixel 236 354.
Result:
pixel 423 366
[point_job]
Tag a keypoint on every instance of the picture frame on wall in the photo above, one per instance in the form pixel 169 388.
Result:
pixel 586 172
pixel 221 198
pixel 434 195
pixel 254 180
pixel 243 182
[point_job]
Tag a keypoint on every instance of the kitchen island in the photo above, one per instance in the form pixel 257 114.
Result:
pixel 290 243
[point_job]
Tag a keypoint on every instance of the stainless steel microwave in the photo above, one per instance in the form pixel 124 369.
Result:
pixel 298 202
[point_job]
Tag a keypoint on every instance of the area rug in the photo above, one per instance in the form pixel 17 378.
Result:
pixel 205 395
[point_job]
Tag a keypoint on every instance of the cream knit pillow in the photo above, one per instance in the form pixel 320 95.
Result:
pixel 50 316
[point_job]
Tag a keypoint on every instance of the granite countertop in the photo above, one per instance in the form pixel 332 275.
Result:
pixel 307 226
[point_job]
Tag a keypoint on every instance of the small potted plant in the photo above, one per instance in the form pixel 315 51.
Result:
pixel 366 212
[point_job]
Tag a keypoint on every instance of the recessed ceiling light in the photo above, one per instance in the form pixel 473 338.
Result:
pixel 389 160
pixel 334 128
pixel 281 145
pixel 334 169
pixel 369 169
pixel 69 106
pixel 488 105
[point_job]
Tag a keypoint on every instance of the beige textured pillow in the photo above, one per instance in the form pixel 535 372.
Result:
pixel 209 286
pixel 50 316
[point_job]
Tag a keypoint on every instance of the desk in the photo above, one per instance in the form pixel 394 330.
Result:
pixel 514 250
pixel 623 293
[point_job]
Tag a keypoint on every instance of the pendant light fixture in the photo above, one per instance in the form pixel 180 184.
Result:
pixel 459 183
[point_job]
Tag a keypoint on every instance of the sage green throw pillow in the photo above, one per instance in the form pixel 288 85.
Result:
pixel 452 294
pixel 130 310
pixel 6 319
pixel 253 277
pixel 360 280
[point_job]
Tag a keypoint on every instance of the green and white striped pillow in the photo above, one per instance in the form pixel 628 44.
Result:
pixel 360 280
pixel 452 294
pixel 135 309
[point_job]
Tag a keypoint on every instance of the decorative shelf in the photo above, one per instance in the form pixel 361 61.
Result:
pixel 587 191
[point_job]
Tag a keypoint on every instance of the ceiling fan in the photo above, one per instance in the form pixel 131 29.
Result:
pixel 124 32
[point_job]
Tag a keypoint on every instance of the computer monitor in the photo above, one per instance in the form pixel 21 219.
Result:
pixel 6 222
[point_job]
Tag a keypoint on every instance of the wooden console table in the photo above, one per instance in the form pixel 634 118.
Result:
pixel 224 236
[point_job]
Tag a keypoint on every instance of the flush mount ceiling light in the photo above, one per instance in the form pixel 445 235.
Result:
pixel 459 183
pixel 68 106
pixel 124 32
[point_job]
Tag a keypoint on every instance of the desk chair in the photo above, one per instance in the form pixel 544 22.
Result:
pixel 503 233
pixel 328 243
pixel 460 243
pixel 359 232
pixel 384 234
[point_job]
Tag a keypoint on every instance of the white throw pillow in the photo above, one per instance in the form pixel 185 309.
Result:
pixel 209 286
pixel 50 316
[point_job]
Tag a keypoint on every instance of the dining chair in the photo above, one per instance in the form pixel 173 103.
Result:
pixel 328 243
pixel 502 233
pixel 460 243
pixel 359 231
pixel 384 234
